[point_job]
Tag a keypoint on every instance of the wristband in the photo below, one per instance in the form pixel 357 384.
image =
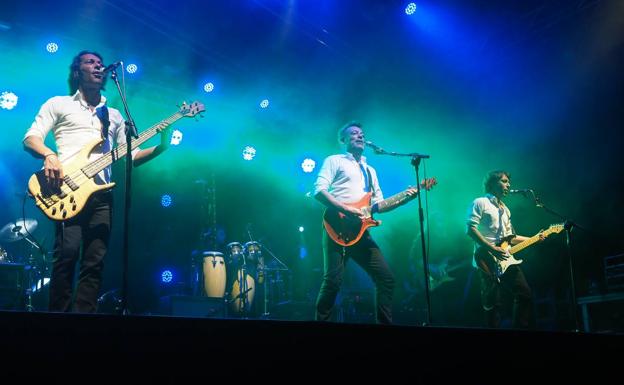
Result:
pixel 45 156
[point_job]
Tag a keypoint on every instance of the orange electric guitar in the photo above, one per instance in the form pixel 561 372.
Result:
pixel 346 230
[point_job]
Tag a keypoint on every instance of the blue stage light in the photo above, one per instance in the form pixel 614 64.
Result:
pixel 264 103
pixel 8 100
pixel 166 200
pixel 308 165
pixel 301 229
pixel 52 47
pixel 410 9
pixel 208 87
pixel 166 276
pixel 176 137
pixel 132 68
pixel 249 153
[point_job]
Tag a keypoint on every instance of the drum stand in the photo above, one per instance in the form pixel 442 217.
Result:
pixel 265 313
pixel 243 286
pixel 35 276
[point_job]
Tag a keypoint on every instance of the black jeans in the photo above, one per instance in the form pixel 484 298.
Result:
pixel 491 297
pixel 89 231
pixel 365 253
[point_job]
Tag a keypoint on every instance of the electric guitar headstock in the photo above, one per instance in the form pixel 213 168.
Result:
pixel 427 184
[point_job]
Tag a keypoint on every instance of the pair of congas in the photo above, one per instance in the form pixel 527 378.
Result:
pixel 238 271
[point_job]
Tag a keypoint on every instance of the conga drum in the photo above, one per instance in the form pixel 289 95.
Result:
pixel 253 252
pixel 214 274
pixel 235 253
pixel 242 293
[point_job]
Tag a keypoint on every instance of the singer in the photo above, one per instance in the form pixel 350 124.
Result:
pixel 488 223
pixel 347 178
pixel 77 120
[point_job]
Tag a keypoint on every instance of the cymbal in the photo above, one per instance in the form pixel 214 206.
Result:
pixel 15 231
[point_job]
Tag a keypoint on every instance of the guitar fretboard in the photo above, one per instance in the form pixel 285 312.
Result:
pixel 394 200
pixel 120 151
pixel 524 244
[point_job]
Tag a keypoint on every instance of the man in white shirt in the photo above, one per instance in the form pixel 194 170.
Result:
pixel 77 120
pixel 488 223
pixel 343 179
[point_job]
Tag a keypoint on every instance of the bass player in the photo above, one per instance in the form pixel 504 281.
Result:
pixel 77 120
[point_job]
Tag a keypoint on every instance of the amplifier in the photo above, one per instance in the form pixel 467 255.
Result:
pixel 614 271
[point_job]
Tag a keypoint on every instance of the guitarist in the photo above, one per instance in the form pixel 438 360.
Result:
pixel 488 223
pixel 345 178
pixel 77 120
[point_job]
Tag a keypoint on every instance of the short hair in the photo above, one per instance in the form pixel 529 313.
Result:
pixel 343 129
pixel 73 80
pixel 492 178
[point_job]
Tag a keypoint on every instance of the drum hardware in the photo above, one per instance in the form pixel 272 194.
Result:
pixel 18 230
pixel 22 229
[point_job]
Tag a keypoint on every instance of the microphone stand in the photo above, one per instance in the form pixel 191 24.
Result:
pixel 415 161
pixel 130 133
pixel 568 225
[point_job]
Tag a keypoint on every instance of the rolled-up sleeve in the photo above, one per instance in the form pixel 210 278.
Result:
pixel 44 121
pixel 325 176
pixel 474 213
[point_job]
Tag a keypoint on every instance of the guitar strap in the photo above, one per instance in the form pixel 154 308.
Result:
pixel 102 114
pixel 370 179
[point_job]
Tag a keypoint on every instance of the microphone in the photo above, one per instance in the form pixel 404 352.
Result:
pixel 520 191
pixel 376 148
pixel 111 67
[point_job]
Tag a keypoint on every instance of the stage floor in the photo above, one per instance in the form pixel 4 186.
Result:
pixel 179 347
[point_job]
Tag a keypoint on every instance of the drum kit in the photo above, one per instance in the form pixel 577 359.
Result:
pixel 35 268
pixel 236 276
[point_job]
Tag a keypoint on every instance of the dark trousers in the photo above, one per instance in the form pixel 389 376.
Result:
pixel 491 297
pixel 89 231
pixel 365 253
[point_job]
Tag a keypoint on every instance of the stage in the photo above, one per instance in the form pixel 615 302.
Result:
pixel 175 348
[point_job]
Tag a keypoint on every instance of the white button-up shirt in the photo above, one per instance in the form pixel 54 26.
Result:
pixel 492 221
pixel 74 126
pixel 342 176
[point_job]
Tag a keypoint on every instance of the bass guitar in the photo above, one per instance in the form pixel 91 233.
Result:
pixel 67 200
pixel 346 230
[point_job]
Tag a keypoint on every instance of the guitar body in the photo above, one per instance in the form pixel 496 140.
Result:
pixel 69 199
pixel 492 265
pixel 348 230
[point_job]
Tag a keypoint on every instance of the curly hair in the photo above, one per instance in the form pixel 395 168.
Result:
pixel 74 79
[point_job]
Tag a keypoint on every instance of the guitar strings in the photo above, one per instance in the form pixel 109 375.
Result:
pixel 81 175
